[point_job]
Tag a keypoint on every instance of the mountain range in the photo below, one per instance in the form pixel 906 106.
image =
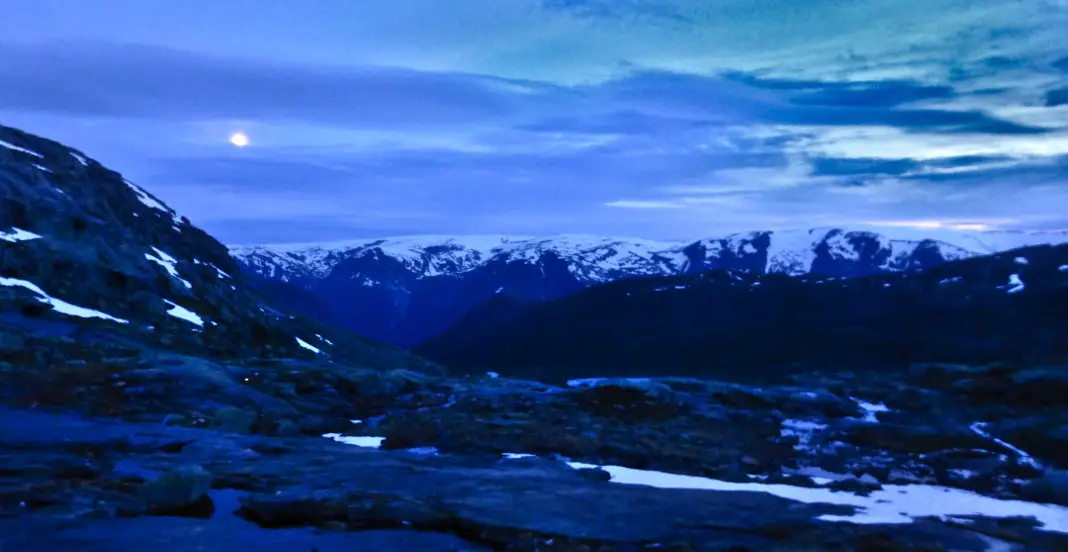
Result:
pixel 733 324
pixel 409 289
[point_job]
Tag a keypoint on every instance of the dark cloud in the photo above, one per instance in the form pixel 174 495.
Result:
pixel 929 120
pixel 1061 64
pixel 1019 174
pixel 920 169
pixel 151 82
pixel 835 166
pixel 125 81
pixel 873 95
pixel 1057 97
pixel 620 122
pixel 739 98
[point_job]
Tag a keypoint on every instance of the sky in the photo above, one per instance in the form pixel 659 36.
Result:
pixel 663 119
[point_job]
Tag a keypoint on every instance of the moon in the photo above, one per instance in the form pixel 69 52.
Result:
pixel 239 139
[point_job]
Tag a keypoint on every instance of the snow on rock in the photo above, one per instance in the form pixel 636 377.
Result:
pixel 179 311
pixel 980 429
pixel 1015 285
pixel 360 441
pixel 154 203
pixel 308 346
pixel 493 375
pixel 11 146
pixel 17 235
pixel 516 455
pixel 594 382
pixel 1063 268
pixel 59 305
pixel 1020 260
pixel 897 504
pixel 870 409
pixel 324 340
pixel 168 263
pixel 43 168
pixel 802 429
pixel 80 159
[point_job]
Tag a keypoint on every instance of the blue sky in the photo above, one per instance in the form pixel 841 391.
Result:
pixel 661 119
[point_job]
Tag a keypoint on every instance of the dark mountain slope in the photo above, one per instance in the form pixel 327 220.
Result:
pixel 372 295
pixel 85 251
pixel 740 325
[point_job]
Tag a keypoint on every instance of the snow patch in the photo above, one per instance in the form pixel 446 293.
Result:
pixel 11 146
pixel 220 272
pixel 168 263
pixel 493 375
pixel 802 429
pixel 1020 260
pixel 870 409
pixel 153 203
pixel 308 346
pixel 43 168
pixel 1015 285
pixel 594 382
pixel 360 441
pixel 59 305
pixel 80 159
pixel 897 504
pixel 179 311
pixel 324 340
pixel 980 429
pixel 17 235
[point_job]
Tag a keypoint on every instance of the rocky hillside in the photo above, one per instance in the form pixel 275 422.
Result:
pixel 1004 307
pixel 406 290
pixel 84 250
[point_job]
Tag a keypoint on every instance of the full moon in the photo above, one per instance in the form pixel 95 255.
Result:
pixel 239 139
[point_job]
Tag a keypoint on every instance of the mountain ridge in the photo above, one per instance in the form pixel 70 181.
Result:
pixel 78 240
pixel 406 290
pixel 728 323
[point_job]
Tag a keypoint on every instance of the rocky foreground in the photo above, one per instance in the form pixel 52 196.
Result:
pixel 188 454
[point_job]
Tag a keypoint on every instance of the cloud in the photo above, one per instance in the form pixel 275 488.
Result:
pixel 642 204
pixel 102 79
pixel 1057 97
pixel 672 118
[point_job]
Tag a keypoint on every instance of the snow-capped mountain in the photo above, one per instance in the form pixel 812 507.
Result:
pixel 407 289
pixel 592 258
pixel 595 259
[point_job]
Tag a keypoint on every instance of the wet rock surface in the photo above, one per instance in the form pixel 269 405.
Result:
pixel 442 480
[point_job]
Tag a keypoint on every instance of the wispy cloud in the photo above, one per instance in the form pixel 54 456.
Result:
pixel 643 204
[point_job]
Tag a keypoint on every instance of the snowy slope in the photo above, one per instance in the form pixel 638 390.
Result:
pixel 592 258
